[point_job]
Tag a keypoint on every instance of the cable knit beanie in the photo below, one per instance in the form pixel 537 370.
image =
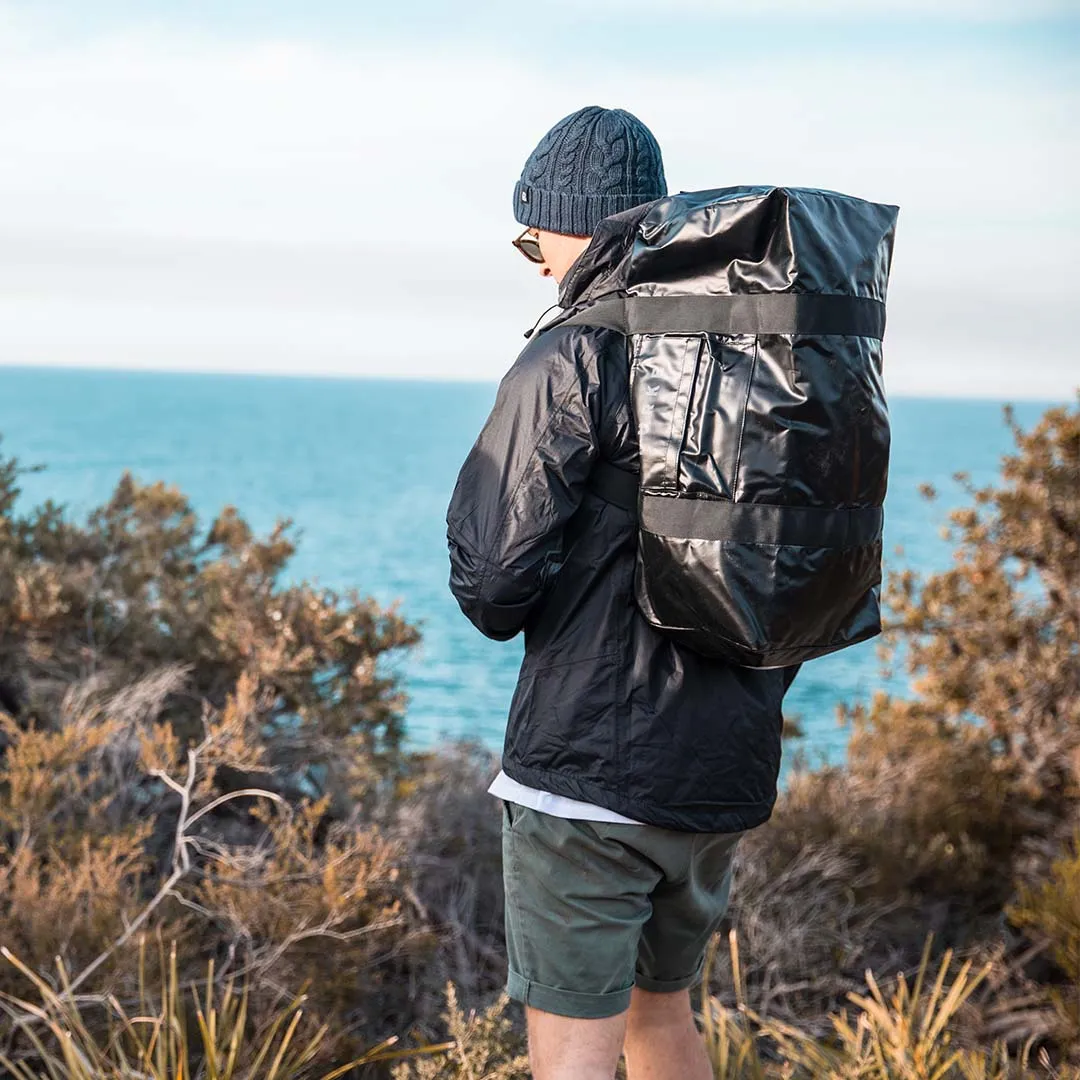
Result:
pixel 592 163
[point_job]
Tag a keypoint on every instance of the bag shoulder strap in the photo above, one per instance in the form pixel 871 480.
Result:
pixel 608 312
pixel 615 485
pixel 745 313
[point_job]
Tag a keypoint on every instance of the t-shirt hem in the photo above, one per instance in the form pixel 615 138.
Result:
pixel 702 817
pixel 506 787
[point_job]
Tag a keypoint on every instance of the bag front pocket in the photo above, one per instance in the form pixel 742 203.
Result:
pixel 711 441
pixel 662 381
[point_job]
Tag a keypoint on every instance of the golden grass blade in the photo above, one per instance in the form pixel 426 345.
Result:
pixel 310 1050
pixel 17 1003
pixel 946 1067
pixel 31 1035
pixel 933 1002
pixel 17 1070
pixel 708 1022
pixel 178 1043
pixel 206 1030
pixel 279 1057
pixel 962 988
pixel 239 1025
pixel 924 966
pixel 42 986
pixel 736 968
pixel 376 1055
pixel 268 1042
pixel 78 1068
pixel 66 1007
pixel 208 1026
pixel 58 1031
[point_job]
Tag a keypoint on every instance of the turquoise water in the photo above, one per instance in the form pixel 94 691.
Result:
pixel 365 469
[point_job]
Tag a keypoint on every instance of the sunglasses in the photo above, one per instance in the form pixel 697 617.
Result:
pixel 529 246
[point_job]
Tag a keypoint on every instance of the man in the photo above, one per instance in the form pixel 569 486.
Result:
pixel 632 765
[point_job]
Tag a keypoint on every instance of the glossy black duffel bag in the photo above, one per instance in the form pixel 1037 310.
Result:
pixel 754 318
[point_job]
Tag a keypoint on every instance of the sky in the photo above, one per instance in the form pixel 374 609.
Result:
pixel 325 187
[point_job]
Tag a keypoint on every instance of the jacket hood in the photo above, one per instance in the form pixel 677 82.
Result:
pixel 737 240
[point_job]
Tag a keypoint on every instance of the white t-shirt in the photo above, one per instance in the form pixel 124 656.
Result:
pixel 505 787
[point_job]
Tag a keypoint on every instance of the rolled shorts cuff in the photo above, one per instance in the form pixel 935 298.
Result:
pixel 567 1002
pixel 669 986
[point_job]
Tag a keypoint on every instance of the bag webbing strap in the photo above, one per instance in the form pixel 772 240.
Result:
pixel 759 523
pixel 757 313
pixel 615 485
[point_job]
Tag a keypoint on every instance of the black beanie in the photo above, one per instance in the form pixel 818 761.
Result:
pixel 591 164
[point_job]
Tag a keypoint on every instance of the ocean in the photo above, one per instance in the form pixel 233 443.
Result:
pixel 365 468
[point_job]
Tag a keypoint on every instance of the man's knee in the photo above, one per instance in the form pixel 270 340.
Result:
pixel 653 1010
pixel 569 1048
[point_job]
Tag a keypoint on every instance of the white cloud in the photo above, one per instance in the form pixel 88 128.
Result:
pixel 169 199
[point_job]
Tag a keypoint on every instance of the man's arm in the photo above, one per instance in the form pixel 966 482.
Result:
pixel 520 484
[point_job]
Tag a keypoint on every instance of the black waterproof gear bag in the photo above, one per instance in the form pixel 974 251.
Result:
pixel 754 319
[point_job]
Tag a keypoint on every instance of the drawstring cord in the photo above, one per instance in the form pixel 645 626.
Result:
pixel 529 333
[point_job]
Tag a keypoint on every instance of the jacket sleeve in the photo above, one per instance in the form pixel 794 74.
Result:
pixel 520 484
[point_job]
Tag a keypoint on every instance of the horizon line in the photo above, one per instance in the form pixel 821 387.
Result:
pixel 470 380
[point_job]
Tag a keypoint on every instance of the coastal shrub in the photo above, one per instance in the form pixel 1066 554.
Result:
pixel 903 1030
pixel 168 1034
pixel 277 892
pixel 192 748
pixel 482 1046
pixel 951 799
pixel 1052 909
pixel 984 753
pixel 140 587
pixel 451 830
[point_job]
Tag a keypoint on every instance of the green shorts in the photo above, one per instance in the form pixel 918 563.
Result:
pixel 594 909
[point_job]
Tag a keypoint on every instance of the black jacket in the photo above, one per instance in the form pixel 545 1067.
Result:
pixel 606 709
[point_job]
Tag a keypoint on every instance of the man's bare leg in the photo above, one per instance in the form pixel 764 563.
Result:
pixel 565 1048
pixel 662 1040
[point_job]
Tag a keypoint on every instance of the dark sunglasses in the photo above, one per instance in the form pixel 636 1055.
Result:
pixel 529 246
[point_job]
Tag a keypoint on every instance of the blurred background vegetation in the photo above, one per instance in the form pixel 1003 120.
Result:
pixel 217 860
